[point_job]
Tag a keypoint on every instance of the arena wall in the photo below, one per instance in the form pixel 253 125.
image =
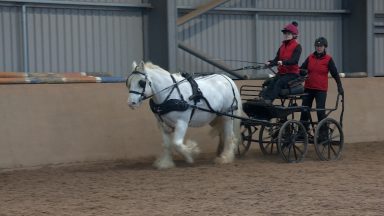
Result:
pixel 45 124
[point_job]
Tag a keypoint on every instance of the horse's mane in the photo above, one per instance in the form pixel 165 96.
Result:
pixel 150 65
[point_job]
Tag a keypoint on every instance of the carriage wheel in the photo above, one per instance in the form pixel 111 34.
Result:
pixel 292 141
pixel 246 135
pixel 329 139
pixel 268 140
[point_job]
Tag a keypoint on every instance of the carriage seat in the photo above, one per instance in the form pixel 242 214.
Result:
pixel 294 87
pixel 260 110
pixel 294 90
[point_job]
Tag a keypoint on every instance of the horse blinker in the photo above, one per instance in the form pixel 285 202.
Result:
pixel 142 83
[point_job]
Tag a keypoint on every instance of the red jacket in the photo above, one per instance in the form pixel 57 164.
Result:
pixel 318 72
pixel 285 53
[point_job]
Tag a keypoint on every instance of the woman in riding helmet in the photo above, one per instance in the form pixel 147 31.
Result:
pixel 287 59
pixel 318 64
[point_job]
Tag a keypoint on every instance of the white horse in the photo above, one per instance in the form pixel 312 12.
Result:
pixel 220 94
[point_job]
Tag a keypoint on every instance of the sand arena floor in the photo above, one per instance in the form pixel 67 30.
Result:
pixel 255 185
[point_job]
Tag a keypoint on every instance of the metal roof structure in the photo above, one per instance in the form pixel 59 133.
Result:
pixel 197 36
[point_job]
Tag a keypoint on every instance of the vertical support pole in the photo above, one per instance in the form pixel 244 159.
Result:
pixel 256 41
pixel 161 34
pixel 172 35
pixel 25 38
pixel 370 38
pixel 356 27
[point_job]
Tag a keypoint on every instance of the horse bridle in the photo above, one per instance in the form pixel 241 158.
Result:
pixel 142 84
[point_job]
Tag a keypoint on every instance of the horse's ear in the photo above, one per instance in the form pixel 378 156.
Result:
pixel 134 65
pixel 142 63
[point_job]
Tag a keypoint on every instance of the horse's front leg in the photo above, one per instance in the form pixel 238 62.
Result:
pixel 227 137
pixel 188 150
pixel 165 161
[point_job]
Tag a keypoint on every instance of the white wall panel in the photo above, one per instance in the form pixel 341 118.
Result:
pixel 379 53
pixel 247 38
pixel 10 39
pixel 378 38
pixel 62 40
pixel 72 39
pixel 269 35
pixel 300 4
pixel 273 4
pixel 226 37
pixel 232 3
pixel 379 5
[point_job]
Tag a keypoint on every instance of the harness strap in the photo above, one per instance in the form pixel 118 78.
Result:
pixel 196 92
pixel 169 105
pixel 182 98
pixel 177 87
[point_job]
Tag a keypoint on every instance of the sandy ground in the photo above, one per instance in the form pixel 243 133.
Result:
pixel 255 185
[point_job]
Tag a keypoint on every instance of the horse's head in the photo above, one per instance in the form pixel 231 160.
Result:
pixel 138 84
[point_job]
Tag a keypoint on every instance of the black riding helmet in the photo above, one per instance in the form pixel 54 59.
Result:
pixel 321 41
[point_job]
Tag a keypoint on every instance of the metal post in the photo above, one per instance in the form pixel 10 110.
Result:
pixel 370 38
pixel 256 36
pixel 172 35
pixel 25 38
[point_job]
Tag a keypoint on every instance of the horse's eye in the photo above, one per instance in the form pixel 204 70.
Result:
pixel 142 83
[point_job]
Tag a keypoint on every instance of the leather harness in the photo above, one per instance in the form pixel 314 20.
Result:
pixel 169 105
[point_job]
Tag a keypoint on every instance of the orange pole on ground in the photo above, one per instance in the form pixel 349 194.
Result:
pixel 12 75
pixel 13 80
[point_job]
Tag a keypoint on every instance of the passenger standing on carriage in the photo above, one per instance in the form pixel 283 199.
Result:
pixel 287 60
pixel 318 64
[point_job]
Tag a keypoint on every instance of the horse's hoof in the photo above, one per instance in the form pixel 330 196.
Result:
pixel 193 148
pixel 159 164
pixel 223 160
pixel 189 160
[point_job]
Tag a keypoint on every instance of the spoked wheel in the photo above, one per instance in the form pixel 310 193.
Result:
pixel 246 134
pixel 292 141
pixel 329 139
pixel 268 140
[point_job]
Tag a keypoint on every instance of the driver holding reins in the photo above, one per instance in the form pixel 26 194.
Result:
pixel 287 60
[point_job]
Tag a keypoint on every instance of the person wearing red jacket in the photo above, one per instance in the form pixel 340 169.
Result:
pixel 287 60
pixel 318 64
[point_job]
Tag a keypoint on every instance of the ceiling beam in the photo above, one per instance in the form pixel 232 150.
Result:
pixel 200 10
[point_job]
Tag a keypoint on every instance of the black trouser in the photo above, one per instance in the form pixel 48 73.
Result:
pixel 320 97
pixel 279 82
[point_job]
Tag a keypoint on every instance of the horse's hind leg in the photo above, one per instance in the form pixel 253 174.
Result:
pixel 165 160
pixel 216 125
pixel 188 150
pixel 227 140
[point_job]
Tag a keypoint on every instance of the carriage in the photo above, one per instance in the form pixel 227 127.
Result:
pixel 278 131
pixel 179 102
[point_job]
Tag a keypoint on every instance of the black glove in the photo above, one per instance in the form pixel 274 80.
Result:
pixel 340 89
pixel 268 81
